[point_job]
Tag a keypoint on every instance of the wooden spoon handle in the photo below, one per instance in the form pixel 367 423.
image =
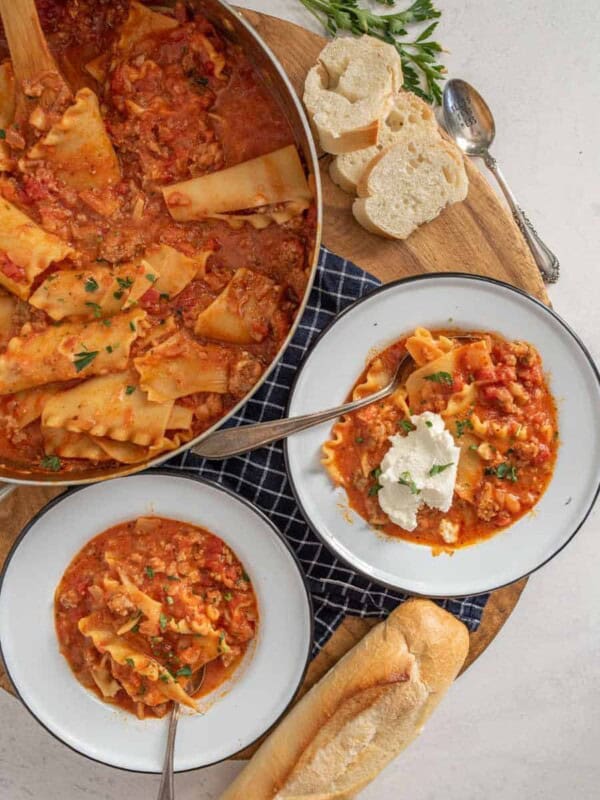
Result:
pixel 28 47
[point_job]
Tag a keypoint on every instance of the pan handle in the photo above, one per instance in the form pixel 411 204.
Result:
pixel 5 490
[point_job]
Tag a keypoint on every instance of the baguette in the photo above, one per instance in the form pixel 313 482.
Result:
pixel 367 709
pixel 349 90
pixel 409 184
pixel 408 112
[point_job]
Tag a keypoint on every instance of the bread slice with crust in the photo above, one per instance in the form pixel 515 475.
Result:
pixel 349 90
pixel 408 111
pixel 409 184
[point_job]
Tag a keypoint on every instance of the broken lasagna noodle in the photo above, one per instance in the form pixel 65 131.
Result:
pixel 155 238
pixel 147 604
pixel 494 399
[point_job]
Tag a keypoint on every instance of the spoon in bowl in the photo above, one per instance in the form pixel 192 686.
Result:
pixel 166 790
pixel 470 123
pixel 234 441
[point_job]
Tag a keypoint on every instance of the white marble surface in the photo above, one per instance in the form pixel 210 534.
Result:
pixel 525 720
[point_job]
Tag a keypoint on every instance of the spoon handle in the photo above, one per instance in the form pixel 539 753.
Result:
pixel 166 790
pixel 545 259
pixel 233 441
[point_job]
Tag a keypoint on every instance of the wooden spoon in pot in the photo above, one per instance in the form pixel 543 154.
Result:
pixel 37 76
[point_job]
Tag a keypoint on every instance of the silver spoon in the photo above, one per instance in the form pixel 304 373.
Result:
pixel 233 441
pixel 470 123
pixel 166 790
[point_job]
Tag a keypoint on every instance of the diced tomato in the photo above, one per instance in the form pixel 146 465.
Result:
pixel 150 300
pixel 12 270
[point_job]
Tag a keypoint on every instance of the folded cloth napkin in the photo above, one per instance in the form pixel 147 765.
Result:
pixel 261 478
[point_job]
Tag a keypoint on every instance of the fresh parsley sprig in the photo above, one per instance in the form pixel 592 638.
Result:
pixel 422 75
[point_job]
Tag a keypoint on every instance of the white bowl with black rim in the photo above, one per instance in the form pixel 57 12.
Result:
pixel 331 368
pixel 238 712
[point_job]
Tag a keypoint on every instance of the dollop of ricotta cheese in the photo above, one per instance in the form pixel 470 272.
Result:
pixel 418 469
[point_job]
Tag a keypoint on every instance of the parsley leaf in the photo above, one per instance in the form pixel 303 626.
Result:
pixel 429 423
pixel 95 308
pixel 91 285
pixel 130 662
pixel 150 277
pixel 406 479
pixel 132 326
pixel 184 672
pixel 375 473
pixel 437 468
pixel 163 621
pixel 84 359
pixel 125 283
pixel 129 389
pixel 504 471
pixel 440 377
pixel 53 463
pixel 407 425
pixel 228 596
pixel 462 425
pixel 149 572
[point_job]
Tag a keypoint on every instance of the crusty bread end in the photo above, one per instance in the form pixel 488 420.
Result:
pixel 368 708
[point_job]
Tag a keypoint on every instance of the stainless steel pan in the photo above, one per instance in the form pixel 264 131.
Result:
pixel 235 28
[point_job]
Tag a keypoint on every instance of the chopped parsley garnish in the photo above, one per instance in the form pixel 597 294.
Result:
pixel 125 283
pixel 473 447
pixel 359 440
pixel 165 296
pixel 53 463
pixel 245 577
pixel 149 572
pixel 440 377
pixel 165 678
pixel 407 425
pixel 136 628
pixel 91 285
pixel 228 596
pixel 406 479
pixel 169 600
pixel 184 672
pixel 143 689
pixel 462 425
pixel 130 662
pixel 2 133
pixel 223 646
pixel 96 309
pixel 109 348
pixel 375 473
pixel 163 621
pixel 150 277
pixel 132 326
pixel 504 471
pixel 129 389
pixel 437 468
pixel 107 322
pixel 84 359
pixel 429 423
pixel 118 295
pixel 173 578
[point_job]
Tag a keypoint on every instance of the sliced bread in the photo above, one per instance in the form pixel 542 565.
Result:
pixel 349 90
pixel 409 184
pixel 408 111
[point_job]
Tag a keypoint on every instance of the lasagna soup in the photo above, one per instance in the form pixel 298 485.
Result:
pixel 156 236
pixel 473 418
pixel 147 604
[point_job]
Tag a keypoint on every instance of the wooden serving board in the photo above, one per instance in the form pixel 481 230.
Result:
pixel 477 236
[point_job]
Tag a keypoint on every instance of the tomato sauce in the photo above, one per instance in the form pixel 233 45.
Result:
pixel 512 462
pixel 208 610
pixel 181 103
